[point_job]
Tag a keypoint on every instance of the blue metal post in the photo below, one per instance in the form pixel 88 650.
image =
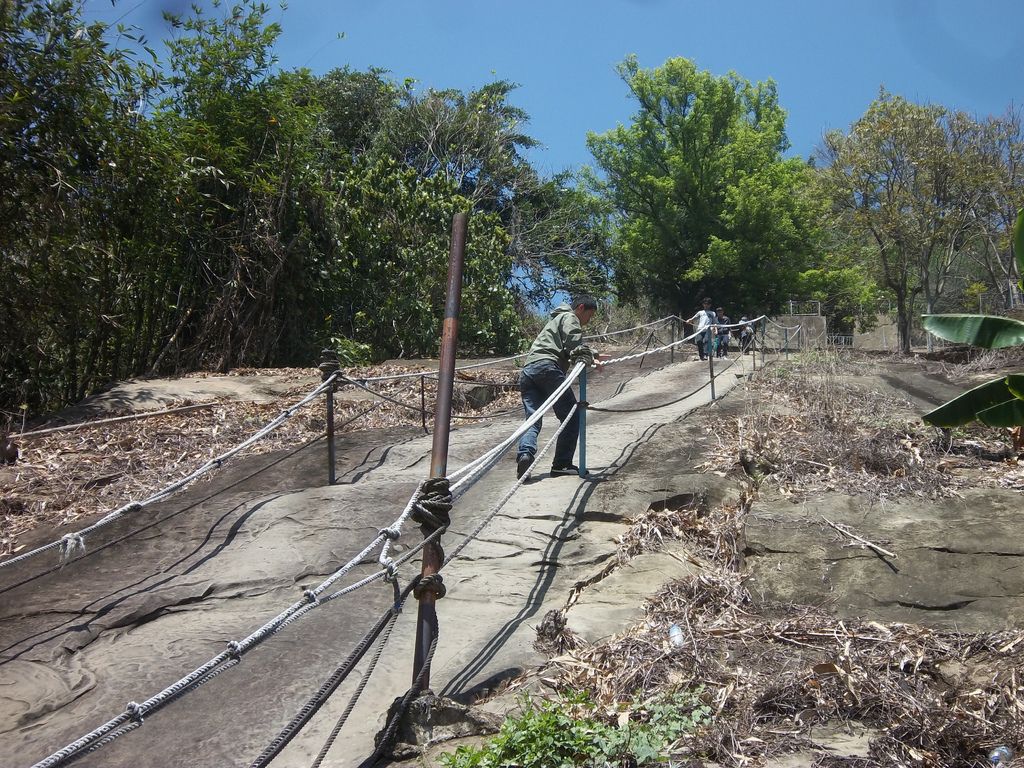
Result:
pixel 583 422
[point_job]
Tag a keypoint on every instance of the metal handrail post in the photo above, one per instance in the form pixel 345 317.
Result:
pixel 330 365
pixel 423 404
pixel 433 555
pixel 672 350
pixel 785 340
pixel 582 407
pixel 711 366
pixel 764 330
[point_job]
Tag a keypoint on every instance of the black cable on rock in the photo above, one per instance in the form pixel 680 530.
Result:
pixel 326 690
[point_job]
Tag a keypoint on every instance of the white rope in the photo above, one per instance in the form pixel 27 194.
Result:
pixel 782 327
pixel 433 374
pixel 511 491
pixel 472 471
pixel 134 714
pixel 71 543
pixel 311 599
pixel 675 343
pixel 487 363
pixel 634 328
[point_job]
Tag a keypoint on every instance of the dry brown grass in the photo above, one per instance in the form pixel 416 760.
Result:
pixel 805 429
pixel 934 698
pixel 773 673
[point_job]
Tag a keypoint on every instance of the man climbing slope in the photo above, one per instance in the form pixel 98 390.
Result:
pixel 556 348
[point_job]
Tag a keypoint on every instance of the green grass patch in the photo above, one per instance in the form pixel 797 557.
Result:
pixel 570 731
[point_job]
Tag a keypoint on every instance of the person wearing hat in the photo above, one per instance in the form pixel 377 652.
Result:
pixel 557 347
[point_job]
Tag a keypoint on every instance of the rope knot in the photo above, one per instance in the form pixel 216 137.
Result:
pixel 134 711
pixel 433 505
pixel 70 544
pixel 390 571
pixel 433 583
pixel 235 649
pixel 135 506
pixel 391 533
pixel 310 596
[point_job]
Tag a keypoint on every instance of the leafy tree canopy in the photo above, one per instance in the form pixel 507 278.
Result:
pixel 704 201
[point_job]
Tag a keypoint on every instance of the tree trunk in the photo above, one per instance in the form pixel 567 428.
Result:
pixel 903 322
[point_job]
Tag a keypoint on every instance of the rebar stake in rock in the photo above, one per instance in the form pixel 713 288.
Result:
pixel 329 365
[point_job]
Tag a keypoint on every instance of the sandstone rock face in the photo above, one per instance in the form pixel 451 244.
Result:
pixel 958 560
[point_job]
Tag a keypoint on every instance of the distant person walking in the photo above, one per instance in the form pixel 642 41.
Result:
pixel 557 346
pixel 722 334
pixel 746 334
pixel 704 324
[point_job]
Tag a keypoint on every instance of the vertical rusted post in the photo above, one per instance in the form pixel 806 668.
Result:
pixel 672 349
pixel 764 329
pixel 650 338
pixel 583 422
pixel 433 554
pixel 330 365
pixel 423 404
pixel 785 340
pixel 711 365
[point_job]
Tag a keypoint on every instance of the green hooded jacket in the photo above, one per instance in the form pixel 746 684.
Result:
pixel 560 340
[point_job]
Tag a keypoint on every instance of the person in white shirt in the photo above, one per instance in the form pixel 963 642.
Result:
pixel 704 325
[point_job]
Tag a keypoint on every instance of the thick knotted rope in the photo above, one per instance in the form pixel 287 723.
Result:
pixel 432 510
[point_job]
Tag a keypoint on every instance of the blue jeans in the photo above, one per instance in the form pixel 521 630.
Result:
pixel 704 342
pixel 537 382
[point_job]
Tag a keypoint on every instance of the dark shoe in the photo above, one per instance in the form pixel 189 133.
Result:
pixel 568 469
pixel 523 463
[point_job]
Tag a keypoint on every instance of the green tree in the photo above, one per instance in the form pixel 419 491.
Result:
pixel 1003 146
pixel 242 139
pixel 909 177
pixel 385 276
pixel 703 199
pixel 999 402
pixel 69 123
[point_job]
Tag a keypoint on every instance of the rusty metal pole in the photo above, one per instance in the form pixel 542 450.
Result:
pixel 672 349
pixel 433 554
pixel 423 404
pixel 329 365
pixel 711 364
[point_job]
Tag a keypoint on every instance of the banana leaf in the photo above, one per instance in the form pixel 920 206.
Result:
pixel 985 331
pixel 1008 414
pixel 1015 382
pixel 964 408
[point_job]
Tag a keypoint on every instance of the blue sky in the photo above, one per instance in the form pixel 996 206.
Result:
pixel 828 57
